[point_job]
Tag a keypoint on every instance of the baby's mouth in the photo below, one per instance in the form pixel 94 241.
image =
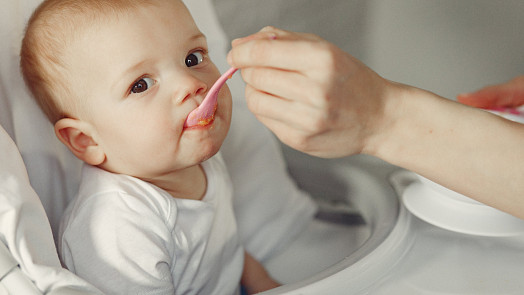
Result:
pixel 196 119
pixel 204 114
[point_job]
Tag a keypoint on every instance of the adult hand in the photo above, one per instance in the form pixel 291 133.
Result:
pixel 315 97
pixel 508 95
pixel 320 100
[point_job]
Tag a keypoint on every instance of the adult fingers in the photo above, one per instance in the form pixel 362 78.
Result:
pixel 272 33
pixel 267 33
pixel 296 116
pixel 480 99
pixel 270 53
pixel 326 144
pixel 292 137
pixel 285 84
pixel 510 94
pixel 289 51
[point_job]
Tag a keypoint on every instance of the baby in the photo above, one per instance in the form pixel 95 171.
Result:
pixel 153 214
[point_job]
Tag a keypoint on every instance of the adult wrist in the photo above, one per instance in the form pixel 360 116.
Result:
pixel 393 107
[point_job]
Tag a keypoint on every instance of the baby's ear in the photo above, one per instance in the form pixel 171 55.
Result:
pixel 78 137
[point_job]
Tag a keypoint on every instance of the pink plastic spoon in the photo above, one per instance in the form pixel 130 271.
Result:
pixel 205 112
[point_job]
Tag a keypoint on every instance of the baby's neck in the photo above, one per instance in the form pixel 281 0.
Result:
pixel 189 183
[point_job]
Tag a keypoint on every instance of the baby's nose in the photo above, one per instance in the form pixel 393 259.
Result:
pixel 191 88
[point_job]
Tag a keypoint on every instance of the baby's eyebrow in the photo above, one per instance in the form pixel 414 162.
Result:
pixel 140 64
pixel 198 36
pixel 136 66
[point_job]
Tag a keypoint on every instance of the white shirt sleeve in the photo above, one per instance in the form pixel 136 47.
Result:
pixel 108 256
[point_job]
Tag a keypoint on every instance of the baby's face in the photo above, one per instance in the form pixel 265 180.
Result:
pixel 141 74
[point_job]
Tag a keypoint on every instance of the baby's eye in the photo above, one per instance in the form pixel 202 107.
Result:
pixel 142 85
pixel 194 58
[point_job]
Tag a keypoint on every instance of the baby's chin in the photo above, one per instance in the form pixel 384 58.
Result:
pixel 200 154
pixel 210 150
pixel 208 156
pixel 203 150
pixel 210 138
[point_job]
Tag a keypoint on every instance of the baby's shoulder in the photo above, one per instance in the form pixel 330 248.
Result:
pixel 105 197
pixel 111 189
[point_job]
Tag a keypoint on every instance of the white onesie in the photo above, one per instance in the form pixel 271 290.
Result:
pixel 127 236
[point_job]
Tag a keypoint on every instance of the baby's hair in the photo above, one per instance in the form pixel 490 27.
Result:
pixel 50 30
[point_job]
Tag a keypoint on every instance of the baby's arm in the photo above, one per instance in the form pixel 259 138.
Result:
pixel 255 278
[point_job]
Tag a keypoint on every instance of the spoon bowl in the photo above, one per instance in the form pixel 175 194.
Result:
pixel 204 114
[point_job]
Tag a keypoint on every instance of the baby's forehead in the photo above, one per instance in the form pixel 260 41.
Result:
pixel 60 27
pixel 70 15
pixel 65 27
pixel 92 33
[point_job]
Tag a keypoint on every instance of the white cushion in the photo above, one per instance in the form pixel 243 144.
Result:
pixel 24 227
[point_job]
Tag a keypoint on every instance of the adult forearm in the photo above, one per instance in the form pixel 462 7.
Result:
pixel 468 150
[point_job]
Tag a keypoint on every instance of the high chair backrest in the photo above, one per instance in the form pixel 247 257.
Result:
pixel 29 262
pixel 26 239
pixel 53 171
